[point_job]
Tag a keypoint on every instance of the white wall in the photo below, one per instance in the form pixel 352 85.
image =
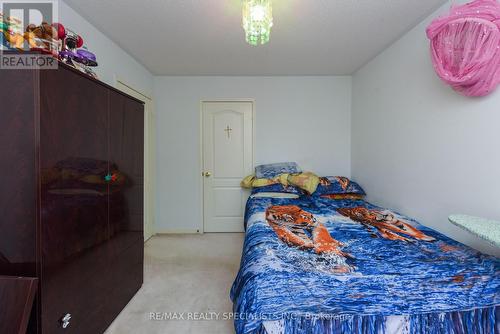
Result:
pixel 416 145
pixel 113 61
pixel 421 148
pixel 306 119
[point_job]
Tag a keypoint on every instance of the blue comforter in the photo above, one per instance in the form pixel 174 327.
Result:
pixel 368 264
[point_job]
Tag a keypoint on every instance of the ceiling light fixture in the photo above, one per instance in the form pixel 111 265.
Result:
pixel 257 21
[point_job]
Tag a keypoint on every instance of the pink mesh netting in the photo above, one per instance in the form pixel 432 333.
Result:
pixel 465 47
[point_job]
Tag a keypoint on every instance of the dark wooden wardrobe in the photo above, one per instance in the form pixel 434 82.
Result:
pixel 71 196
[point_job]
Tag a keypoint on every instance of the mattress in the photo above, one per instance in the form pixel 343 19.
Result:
pixel 315 265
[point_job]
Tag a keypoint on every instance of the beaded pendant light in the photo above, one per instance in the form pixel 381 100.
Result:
pixel 257 21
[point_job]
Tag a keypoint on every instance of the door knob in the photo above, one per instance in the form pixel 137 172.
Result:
pixel 207 174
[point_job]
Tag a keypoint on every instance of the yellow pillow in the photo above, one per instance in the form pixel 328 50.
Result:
pixel 306 181
pixel 283 179
pixel 252 182
pixel 247 181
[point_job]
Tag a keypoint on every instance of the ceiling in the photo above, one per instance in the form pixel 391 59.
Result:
pixel 205 37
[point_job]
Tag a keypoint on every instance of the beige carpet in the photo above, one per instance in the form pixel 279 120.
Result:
pixel 189 274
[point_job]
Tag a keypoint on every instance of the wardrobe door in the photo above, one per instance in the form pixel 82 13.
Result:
pixel 74 198
pixel 18 90
pixel 18 193
pixel 126 158
pixel 126 142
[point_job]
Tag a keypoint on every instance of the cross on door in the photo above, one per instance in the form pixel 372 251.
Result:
pixel 228 130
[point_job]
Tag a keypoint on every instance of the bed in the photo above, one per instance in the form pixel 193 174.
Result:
pixel 318 265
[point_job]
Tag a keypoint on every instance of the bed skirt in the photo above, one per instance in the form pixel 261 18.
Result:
pixel 477 321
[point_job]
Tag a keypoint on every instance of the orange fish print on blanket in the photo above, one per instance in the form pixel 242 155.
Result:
pixel 324 181
pixel 299 228
pixel 386 224
pixel 343 181
pixel 448 248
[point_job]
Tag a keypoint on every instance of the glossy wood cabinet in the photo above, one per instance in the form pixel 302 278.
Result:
pixel 16 302
pixel 71 201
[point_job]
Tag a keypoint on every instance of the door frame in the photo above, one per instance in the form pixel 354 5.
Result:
pixel 200 176
pixel 149 191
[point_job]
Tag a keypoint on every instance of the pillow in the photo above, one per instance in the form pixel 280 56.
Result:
pixel 272 170
pixel 334 185
pixel 277 188
pixel 251 181
pixel 306 181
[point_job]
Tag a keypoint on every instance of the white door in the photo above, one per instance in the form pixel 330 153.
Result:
pixel 227 159
pixel 149 157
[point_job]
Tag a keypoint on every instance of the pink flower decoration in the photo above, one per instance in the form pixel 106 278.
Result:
pixel 465 47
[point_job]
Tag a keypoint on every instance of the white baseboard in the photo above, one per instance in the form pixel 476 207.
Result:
pixel 168 231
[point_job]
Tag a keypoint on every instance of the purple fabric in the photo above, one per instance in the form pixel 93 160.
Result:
pixel 465 47
pixel 86 57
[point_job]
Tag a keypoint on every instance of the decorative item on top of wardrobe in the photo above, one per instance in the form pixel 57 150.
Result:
pixel 465 47
pixel 43 38
pixel 11 33
pixel 74 53
pixel 53 39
